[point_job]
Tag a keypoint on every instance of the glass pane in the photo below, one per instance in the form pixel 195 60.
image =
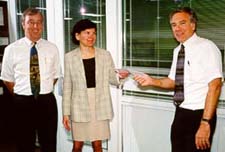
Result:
pixel 23 5
pixel 148 41
pixel 84 9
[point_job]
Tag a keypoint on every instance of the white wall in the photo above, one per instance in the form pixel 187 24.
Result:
pixel 146 126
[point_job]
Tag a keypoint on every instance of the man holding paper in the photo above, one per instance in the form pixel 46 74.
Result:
pixel 196 78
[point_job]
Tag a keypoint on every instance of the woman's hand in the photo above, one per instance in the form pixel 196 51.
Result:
pixel 66 122
pixel 122 73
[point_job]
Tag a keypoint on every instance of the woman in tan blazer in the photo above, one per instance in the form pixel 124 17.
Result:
pixel 87 105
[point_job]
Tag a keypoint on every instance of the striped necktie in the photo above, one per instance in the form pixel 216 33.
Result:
pixel 34 71
pixel 179 78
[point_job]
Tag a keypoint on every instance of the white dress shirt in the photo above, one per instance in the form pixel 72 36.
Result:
pixel 16 65
pixel 202 64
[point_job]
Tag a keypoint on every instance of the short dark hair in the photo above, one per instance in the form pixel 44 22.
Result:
pixel 31 11
pixel 81 25
pixel 188 10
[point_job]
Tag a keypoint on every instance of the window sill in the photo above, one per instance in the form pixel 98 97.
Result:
pixel 159 104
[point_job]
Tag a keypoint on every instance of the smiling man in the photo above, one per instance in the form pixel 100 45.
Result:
pixel 30 69
pixel 196 78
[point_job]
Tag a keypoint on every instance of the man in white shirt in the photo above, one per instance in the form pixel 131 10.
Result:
pixel 33 114
pixel 195 116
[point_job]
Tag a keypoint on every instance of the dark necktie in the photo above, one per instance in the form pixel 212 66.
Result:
pixel 179 78
pixel 34 71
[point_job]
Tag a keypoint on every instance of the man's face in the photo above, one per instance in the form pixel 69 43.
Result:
pixel 33 27
pixel 182 27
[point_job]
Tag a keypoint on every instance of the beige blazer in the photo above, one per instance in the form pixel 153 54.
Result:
pixel 75 98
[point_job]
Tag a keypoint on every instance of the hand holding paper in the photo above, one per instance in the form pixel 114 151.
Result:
pixel 143 79
pixel 123 73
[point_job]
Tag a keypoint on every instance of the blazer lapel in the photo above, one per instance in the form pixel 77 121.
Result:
pixel 78 63
pixel 98 67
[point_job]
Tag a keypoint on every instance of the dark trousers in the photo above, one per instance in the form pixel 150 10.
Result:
pixel 183 130
pixel 7 142
pixel 35 116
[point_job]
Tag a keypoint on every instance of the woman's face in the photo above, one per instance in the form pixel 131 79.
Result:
pixel 87 37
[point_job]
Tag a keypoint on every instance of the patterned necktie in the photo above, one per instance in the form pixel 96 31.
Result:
pixel 34 71
pixel 179 78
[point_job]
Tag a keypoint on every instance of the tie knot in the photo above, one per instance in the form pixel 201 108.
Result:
pixel 34 43
pixel 33 50
pixel 182 46
pixel 181 49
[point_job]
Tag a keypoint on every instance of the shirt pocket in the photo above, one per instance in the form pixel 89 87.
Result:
pixel 197 72
pixel 48 67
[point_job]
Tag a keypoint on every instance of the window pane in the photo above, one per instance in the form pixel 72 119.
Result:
pixel 148 41
pixel 84 9
pixel 23 5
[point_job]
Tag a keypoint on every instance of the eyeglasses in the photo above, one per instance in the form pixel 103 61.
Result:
pixel 32 23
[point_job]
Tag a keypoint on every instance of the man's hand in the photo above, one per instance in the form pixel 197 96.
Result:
pixel 9 86
pixel 202 136
pixel 143 79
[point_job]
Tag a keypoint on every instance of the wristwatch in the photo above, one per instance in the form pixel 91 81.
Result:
pixel 205 120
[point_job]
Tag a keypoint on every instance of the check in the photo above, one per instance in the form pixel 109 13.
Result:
pixel 130 72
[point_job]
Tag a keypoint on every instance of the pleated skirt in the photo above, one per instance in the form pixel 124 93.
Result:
pixel 93 130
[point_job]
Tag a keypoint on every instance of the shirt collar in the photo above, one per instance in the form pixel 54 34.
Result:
pixel 190 40
pixel 30 43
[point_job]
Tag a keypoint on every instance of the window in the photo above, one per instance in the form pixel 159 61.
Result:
pixel 148 42
pixel 84 9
